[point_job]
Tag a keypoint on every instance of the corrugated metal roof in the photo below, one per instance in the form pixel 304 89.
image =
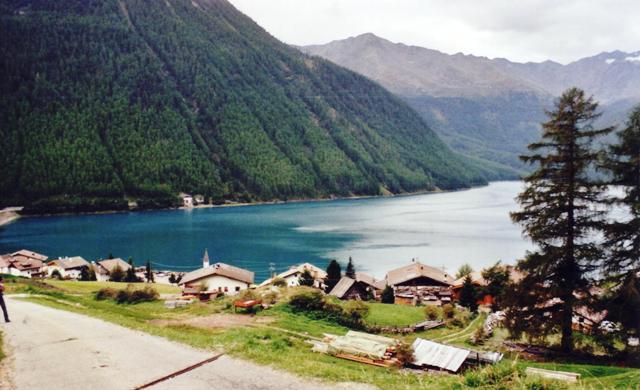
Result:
pixel 429 353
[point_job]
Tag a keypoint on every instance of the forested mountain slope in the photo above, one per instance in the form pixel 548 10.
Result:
pixel 107 100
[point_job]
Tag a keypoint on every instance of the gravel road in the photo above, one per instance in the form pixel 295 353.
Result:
pixel 55 349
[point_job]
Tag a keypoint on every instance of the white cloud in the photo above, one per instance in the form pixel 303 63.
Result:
pixel 523 30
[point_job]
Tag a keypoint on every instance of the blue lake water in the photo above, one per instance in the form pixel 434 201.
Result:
pixel 441 229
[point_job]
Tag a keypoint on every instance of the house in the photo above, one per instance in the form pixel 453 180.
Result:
pixel 104 268
pixel 4 265
pixel 478 281
pixel 24 263
pixel 187 200
pixel 376 285
pixel 417 274
pixel 291 276
pixel 216 279
pixel 198 199
pixel 348 288
pixel 68 267
pixel 418 283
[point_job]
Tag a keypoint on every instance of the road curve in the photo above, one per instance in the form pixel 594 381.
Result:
pixel 56 349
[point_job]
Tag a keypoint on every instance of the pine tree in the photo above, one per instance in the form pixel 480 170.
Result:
pixel 497 279
pixel 388 296
pixel 464 270
pixel 350 271
pixel 334 273
pixel 469 295
pixel 622 263
pixel 116 274
pixel 149 273
pixel 172 278
pixel 130 275
pixel 558 215
pixel 306 279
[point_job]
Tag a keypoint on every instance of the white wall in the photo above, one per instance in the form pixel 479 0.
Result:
pixel 217 282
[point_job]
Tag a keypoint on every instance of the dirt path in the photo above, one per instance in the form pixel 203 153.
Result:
pixel 55 349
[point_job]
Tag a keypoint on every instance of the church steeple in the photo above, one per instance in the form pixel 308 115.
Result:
pixel 205 259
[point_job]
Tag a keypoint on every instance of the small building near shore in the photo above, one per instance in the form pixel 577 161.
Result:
pixel 216 279
pixel 67 267
pixel 187 200
pixel 291 277
pixel 104 268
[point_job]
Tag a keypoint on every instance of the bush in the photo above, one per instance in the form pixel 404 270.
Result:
pixel 314 304
pixel 106 293
pixel 431 313
pixel 247 295
pixel 404 353
pixel 448 311
pixel 279 282
pixel 356 310
pixel 147 294
pixel 128 295
pixel 307 301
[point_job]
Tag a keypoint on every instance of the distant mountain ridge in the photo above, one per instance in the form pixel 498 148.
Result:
pixel 104 102
pixel 487 108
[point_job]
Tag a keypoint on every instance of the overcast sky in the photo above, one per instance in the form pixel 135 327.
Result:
pixel 520 30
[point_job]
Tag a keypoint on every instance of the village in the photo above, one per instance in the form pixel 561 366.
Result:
pixel 435 300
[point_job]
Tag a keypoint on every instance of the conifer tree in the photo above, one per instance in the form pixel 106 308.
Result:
pixel 464 270
pixel 306 279
pixel 149 273
pixel 558 215
pixel 334 273
pixel 130 275
pixel 388 296
pixel 469 295
pixel 497 279
pixel 622 264
pixel 350 271
pixel 116 274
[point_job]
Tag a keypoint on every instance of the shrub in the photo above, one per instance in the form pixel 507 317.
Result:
pixel 122 296
pixel 106 293
pixel 247 295
pixel 270 297
pixel 356 310
pixel 448 311
pixel 128 295
pixel 117 274
pixel 404 353
pixel 279 282
pixel 307 301
pixel 147 294
pixel 431 313
pixel 479 336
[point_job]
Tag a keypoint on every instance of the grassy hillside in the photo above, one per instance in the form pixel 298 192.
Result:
pixel 102 101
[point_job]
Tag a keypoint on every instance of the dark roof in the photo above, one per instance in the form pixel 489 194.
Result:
pixel 220 269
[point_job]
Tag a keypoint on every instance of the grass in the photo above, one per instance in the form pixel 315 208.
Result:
pixel 77 287
pixel 2 354
pixel 394 315
pixel 281 344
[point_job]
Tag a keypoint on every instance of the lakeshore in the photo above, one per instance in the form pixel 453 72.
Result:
pixel 379 232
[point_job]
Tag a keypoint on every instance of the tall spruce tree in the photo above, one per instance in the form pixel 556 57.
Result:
pixel 469 295
pixel 622 264
pixel 350 271
pixel 558 214
pixel 334 273
pixel 149 273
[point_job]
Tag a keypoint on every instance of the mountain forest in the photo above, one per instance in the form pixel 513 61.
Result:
pixel 108 102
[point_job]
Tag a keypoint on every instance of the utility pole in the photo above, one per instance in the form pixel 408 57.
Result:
pixel 272 270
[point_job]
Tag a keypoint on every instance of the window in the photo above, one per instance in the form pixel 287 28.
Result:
pixel 237 288
pixel 226 289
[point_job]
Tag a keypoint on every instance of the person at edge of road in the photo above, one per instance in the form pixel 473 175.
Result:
pixel 2 304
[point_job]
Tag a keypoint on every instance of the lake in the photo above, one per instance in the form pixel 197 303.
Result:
pixel 439 229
